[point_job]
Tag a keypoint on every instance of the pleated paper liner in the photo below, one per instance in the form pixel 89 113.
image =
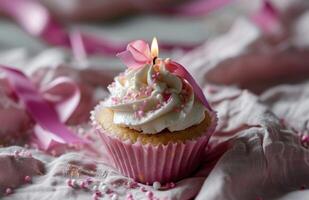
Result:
pixel 149 163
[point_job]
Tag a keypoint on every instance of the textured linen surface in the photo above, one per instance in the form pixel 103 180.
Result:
pixel 265 159
pixel 256 152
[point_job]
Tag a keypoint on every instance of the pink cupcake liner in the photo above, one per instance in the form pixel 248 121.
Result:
pixel 149 163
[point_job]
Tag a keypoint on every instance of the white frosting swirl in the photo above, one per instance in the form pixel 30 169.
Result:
pixel 150 99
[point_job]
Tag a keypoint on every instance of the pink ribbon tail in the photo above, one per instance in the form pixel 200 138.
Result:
pixel 51 31
pixel 64 95
pixel 181 71
pixel 267 18
pixel 49 128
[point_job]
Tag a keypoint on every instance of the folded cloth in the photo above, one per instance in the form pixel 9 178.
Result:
pixel 260 156
pixel 256 152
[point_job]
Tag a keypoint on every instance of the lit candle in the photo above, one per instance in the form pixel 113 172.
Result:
pixel 154 49
pixel 138 54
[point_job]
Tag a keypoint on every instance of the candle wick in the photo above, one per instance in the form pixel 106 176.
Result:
pixel 154 60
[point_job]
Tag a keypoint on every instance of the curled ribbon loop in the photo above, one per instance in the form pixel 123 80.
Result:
pixel 138 54
pixel 49 129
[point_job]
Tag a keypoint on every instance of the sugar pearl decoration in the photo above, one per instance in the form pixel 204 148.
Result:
pixel 8 191
pixel 149 194
pixel 129 196
pixel 103 187
pixel 28 179
pixel 156 185
pixel 159 97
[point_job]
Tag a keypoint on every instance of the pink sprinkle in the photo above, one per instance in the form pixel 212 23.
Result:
pixel 158 105
pixel 135 95
pixel 73 182
pixel 28 179
pixel 83 185
pixel 132 185
pixel 212 90
pixel 8 191
pixel 69 182
pixel 129 196
pixel 166 96
pixel 98 193
pixel 16 153
pixel 172 185
pixel 89 180
pixel 143 189
pixel 148 92
pixel 29 154
pixel 115 100
pixel 140 113
pixel 305 140
pixel 149 194
pixel 95 197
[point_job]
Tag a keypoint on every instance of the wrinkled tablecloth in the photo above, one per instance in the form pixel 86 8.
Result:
pixel 255 153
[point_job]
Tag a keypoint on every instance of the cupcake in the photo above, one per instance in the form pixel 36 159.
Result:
pixel 153 125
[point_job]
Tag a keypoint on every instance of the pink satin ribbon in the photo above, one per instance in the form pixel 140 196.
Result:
pixel 137 54
pixel 49 129
pixel 181 71
pixel 267 18
pixel 35 19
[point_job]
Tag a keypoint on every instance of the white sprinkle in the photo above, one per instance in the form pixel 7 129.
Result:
pixel 159 97
pixel 95 188
pixel 114 197
pixel 156 185
pixel 103 187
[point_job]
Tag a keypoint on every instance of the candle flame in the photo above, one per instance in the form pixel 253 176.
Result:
pixel 154 48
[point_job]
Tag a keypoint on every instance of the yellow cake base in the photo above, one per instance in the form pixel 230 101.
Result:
pixel 105 119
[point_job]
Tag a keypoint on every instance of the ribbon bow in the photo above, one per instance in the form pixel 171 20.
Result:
pixel 49 128
pixel 138 54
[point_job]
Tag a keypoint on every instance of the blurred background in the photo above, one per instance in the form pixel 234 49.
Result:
pixel 124 21
pixel 36 33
